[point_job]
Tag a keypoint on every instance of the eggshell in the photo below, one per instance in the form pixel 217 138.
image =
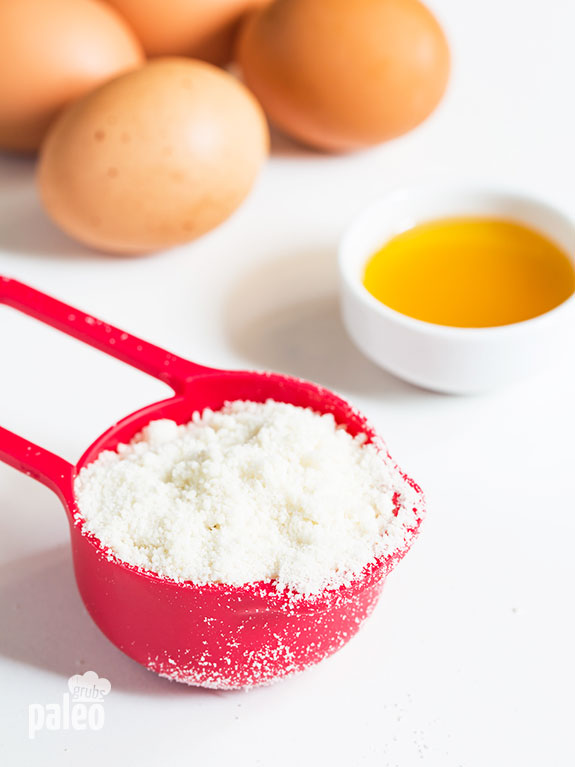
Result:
pixel 340 75
pixel 204 29
pixel 51 52
pixel 153 158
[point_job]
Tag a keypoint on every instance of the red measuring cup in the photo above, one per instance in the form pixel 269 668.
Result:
pixel 213 635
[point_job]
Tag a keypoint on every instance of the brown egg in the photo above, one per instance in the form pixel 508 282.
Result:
pixel 204 29
pixel 338 74
pixel 51 52
pixel 153 158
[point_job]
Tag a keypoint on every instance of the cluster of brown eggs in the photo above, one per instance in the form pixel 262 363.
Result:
pixel 146 141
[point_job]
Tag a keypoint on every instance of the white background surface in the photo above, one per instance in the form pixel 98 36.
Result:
pixel 468 660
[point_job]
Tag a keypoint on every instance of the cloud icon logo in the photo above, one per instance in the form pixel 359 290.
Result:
pixel 88 687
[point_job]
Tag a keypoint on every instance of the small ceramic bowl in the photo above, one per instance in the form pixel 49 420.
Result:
pixel 450 359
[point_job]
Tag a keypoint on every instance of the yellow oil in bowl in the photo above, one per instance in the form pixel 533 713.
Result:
pixel 470 272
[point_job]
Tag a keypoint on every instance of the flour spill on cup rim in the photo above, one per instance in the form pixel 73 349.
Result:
pixel 252 492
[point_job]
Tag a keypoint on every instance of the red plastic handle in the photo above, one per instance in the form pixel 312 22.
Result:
pixel 177 372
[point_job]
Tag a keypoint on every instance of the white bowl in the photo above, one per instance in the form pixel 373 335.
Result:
pixel 450 359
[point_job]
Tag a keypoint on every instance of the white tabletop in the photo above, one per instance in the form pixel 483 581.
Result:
pixel 468 659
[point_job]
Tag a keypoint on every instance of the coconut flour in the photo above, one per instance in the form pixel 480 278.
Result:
pixel 249 493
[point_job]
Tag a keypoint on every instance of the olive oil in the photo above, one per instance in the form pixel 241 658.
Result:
pixel 470 272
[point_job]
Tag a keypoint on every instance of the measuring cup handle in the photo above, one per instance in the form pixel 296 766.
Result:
pixel 33 460
pixel 169 368
pixel 52 471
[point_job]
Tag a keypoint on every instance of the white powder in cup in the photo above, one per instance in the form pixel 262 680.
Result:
pixel 249 493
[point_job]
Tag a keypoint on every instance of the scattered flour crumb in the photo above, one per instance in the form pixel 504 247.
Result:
pixel 252 492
